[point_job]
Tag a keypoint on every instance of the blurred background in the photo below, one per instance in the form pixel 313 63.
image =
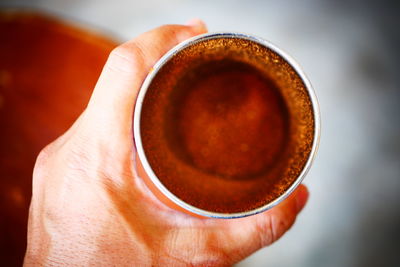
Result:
pixel 350 52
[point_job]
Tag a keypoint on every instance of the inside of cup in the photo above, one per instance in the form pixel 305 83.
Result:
pixel 227 124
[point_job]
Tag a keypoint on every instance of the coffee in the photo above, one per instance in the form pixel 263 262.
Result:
pixel 226 125
pixel 227 119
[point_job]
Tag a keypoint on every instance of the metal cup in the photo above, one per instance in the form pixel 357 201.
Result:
pixel 236 161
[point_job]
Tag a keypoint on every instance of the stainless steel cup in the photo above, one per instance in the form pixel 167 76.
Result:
pixel 184 186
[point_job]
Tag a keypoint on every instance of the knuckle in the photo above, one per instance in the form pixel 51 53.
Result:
pixel 176 33
pixel 120 52
pixel 272 227
pixel 41 166
pixel 264 231
pixel 126 58
pixel 43 157
pixel 280 223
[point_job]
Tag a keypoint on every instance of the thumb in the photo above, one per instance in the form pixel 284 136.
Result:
pixel 271 225
pixel 115 93
pixel 254 232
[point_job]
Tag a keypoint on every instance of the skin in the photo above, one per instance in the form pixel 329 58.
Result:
pixel 90 207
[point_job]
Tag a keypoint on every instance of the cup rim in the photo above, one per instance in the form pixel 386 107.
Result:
pixel 137 116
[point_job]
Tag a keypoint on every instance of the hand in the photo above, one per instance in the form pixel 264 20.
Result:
pixel 90 208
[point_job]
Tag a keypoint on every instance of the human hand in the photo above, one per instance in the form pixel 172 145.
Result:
pixel 90 208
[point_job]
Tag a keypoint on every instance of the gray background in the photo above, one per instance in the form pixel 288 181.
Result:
pixel 348 50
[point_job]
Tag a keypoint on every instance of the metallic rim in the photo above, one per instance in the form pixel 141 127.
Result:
pixel 153 73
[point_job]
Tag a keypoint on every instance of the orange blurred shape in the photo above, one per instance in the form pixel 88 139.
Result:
pixel 47 72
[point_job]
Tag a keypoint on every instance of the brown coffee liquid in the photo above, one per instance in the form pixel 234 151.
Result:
pixel 227 125
pixel 227 119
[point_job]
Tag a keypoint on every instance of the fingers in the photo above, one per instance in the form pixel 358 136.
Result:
pixel 271 225
pixel 252 233
pixel 127 66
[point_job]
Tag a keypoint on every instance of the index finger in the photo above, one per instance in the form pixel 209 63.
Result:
pixel 115 93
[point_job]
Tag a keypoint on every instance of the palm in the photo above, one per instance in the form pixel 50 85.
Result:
pixel 172 233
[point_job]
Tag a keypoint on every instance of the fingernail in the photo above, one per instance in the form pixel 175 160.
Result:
pixel 198 24
pixel 301 198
